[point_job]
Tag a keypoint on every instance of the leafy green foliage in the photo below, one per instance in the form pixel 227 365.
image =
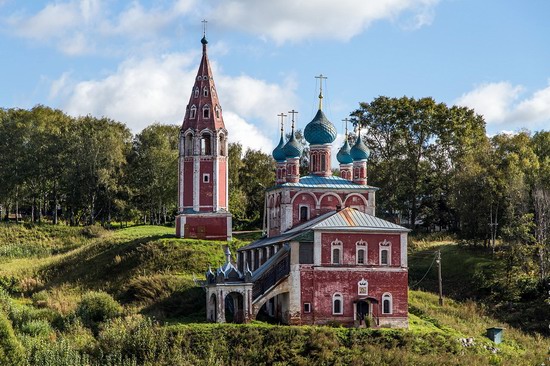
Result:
pixel 96 308
pixel 11 351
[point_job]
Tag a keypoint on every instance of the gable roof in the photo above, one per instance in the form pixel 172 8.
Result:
pixel 348 219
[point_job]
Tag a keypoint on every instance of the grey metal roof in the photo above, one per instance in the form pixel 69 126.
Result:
pixel 352 218
pixel 267 265
pixel 348 218
pixel 333 182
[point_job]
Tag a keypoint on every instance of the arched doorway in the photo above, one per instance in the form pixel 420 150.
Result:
pixel 234 308
pixel 213 308
pixel 363 311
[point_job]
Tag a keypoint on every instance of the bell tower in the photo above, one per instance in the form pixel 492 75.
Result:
pixel 203 195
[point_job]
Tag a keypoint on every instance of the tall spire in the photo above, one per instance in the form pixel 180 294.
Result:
pixel 321 77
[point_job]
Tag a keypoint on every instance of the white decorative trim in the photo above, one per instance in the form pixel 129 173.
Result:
pixel 338 296
pixel 403 248
pixel 384 246
pixel 363 287
pixel 336 245
pixel 387 296
pixel 361 245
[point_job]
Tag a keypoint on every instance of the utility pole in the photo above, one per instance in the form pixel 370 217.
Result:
pixel 438 261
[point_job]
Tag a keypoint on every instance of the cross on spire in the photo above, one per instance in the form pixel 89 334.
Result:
pixel 204 23
pixel 346 120
pixel 293 112
pixel 321 77
pixel 282 115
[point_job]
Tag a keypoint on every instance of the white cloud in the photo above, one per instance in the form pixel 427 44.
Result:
pixel 291 20
pixel 141 92
pixel 72 25
pixel 503 108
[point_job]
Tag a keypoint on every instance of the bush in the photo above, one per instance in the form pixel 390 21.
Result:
pixel 11 351
pixel 97 307
pixel 37 328
pixel 93 231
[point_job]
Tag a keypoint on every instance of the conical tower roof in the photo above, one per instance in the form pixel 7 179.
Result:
pixel 204 97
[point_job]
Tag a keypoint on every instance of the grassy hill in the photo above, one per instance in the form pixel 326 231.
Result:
pixel 51 317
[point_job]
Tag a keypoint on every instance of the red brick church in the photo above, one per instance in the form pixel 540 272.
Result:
pixel 325 257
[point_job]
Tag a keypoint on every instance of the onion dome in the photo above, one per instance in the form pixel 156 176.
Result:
pixel 320 130
pixel 359 151
pixel 292 148
pixel 344 156
pixel 279 153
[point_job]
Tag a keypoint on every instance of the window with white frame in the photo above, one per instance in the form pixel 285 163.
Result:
pixel 205 91
pixel 385 253
pixel 206 112
pixel 387 304
pixel 336 252
pixel 206 178
pixel 196 92
pixel 193 112
pixel 361 252
pixel 363 287
pixel 307 307
pixel 304 213
pixel 337 304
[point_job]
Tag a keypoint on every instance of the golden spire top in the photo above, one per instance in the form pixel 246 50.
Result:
pixel 321 77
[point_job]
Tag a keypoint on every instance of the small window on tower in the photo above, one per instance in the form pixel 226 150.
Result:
pixel 205 91
pixel 206 113
pixel 193 112
pixel 196 92
pixel 206 178
pixel 307 307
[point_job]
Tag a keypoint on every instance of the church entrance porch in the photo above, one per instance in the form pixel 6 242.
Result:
pixel 234 308
pixel 364 313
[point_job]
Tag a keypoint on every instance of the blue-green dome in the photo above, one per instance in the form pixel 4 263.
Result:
pixel 360 151
pixel 320 130
pixel 344 156
pixel 279 153
pixel 292 148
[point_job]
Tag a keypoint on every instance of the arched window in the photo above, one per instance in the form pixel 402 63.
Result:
pixel 385 253
pixel 189 144
pixel 206 112
pixel 217 111
pixel 387 304
pixel 336 252
pixel 323 162
pixel 304 213
pixel 222 145
pixel 196 92
pixel 213 91
pixel 361 252
pixel 337 304
pixel 205 91
pixel 193 112
pixel 206 144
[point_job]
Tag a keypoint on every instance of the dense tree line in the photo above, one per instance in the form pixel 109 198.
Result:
pixel 83 170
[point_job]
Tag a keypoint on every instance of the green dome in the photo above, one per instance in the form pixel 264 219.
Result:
pixel 279 153
pixel 360 151
pixel 292 148
pixel 320 130
pixel 344 156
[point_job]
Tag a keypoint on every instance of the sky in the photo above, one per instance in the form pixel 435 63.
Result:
pixel 135 61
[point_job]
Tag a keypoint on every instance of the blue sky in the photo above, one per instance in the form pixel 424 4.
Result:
pixel 134 61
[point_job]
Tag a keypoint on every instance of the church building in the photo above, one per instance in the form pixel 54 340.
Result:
pixel 325 256
pixel 203 195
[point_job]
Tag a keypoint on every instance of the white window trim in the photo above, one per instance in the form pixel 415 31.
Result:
pixel 300 212
pixel 193 112
pixel 338 296
pixel 387 296
pixel 308 304
pixel 384 245
pixel 206 178
pixel 361 245
pixel 336 244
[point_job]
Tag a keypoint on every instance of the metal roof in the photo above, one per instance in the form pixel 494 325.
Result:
pixel 348 219
pixel 332 182
pixel 351 218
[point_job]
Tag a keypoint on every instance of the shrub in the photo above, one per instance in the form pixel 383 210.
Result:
pixel 97 307
pixel 93 231
pixel 11 351
pixel 37 328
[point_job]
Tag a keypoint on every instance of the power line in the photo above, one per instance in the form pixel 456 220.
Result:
pixel 425 274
